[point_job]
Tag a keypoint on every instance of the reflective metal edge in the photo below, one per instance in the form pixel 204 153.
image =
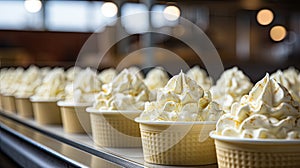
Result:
pixel 102 154
pixel 21 150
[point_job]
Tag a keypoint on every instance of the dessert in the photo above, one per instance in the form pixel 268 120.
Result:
pixel 136 71
pixel 79 95
pixel 52 86
pixel 12 80
pixel 126 92
pixel 3 72
pixel 200 76
pixel 44 71
pixel 231 86
pixel 84 87
pixel 115 107
pixel 289 80
pixel 107 75
pixel 262 129
pixel 45 99
pixel 175 127
pixel 155 79
pixel 32 78
pixel 292 76
pixel 9 85
pixel 72 72
pixel 181 100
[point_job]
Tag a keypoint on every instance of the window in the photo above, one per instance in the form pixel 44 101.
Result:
pixel 135 18
pixel 14 16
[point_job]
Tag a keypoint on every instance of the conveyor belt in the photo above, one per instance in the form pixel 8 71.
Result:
pixel 34 145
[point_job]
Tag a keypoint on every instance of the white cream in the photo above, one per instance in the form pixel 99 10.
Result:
pixel 32 78
pixel 84 87
pixel 181 100
pixel 126 92
pixel 231 86
pixel 44 71
pixel 107 75
pixel 12 80
pixel 52 86
pixel 72 72
pixel 289 80
pixel 200 76
pixel 293 77
pixel 136 71
pixel 156 78
pixel 268 112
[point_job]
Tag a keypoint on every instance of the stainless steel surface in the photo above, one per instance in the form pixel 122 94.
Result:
pixel 51 145
pixel 78 149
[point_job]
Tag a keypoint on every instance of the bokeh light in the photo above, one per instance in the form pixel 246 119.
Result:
pixel 265 17
pixel 278 33
pixel 33 6
pixel 171 13
pixel 109 9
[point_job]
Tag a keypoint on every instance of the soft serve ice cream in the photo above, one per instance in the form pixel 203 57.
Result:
pixel 289 80
pixel 107 75
pixel 126 92
pixel 52 86
pixel 200 76
pixel 84 87
pixel 268 112
pixel 156 78
pixel 136 71
pixel 11 80
pixel 181 100
pixel 72 72
pixel 3 77
pixel 293 77
pixel 231 86
pixel 32 78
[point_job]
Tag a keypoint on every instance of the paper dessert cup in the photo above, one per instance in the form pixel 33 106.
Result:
pixel 74 117
pixel 177 143
pixel 8 103
pixel 24 107
pixel 115 128
pixel 46 111
pixel 232 152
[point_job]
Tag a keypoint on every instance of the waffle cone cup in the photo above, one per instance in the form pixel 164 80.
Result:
pixel 257 153
pixel 115 128
pixel 8 103
pixel 24 107
pixel 178 143
pixel 74 117
pixel 46 111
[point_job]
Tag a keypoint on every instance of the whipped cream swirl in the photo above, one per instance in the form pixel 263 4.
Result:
pixel 181 100
pixel 84 87
pixel 32 78
pixel 268 112
pixel 11 80
pixel 200 76
pixel 52 86
pixel 231 86
pixel 126 92
pixel 107 75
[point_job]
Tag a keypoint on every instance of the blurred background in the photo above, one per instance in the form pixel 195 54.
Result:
pixel 256 35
